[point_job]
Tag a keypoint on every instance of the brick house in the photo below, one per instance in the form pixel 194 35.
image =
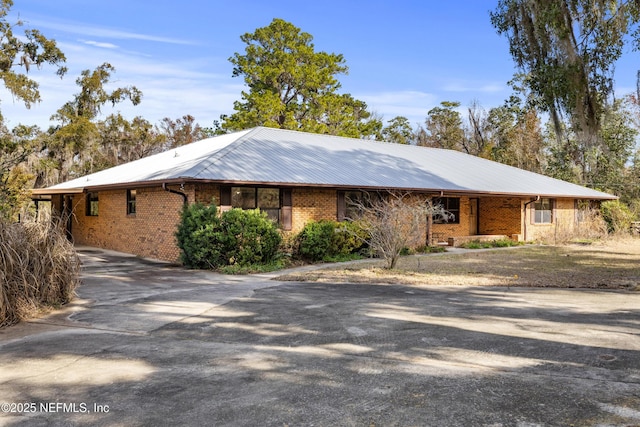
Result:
pixel 296 177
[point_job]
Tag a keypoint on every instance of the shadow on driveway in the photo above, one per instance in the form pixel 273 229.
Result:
pixel 148 343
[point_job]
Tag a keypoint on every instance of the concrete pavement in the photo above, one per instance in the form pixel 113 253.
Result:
pixel 150 344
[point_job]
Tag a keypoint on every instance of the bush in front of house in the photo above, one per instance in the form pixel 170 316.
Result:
pixel 198 236
pixel 500 243
pixel 237 237
pixel 39 269
pixel 248 237
pixel 617 215
pixel 316 240
pixel 329 240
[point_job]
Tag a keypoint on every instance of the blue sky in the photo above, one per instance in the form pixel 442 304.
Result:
pixel 404 56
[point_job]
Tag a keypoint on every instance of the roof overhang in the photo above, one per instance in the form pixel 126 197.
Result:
pixel 185 180
pixel 119 186
pixel 50 192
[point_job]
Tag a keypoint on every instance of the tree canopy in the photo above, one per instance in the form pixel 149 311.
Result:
pixel 74 140
pixel 567 50
pixel 292 86
pixel 23 52
pixel 443 127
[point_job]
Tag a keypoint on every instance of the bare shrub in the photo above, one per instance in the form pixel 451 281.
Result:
pixel 39 268
pixel 591 226
pixel 392 222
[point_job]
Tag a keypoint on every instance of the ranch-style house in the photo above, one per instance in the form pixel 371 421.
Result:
pixel 297 177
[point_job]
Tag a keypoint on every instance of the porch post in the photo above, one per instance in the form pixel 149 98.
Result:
pixel 430 221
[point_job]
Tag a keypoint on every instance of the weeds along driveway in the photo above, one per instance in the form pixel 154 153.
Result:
pixel 151 344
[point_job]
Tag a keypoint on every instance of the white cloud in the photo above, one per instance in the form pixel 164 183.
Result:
pixel 100 44
pixel 110 33
pixel 170 88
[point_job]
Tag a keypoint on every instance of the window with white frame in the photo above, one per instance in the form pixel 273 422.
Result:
pixel 543 211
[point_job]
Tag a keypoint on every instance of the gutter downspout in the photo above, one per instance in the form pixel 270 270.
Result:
pixel 525 215
pixel 180 193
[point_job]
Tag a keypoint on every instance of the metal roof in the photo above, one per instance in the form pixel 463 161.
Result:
pixel 282 157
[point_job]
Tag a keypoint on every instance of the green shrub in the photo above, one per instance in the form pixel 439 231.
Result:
pixel 430 249
pixel 238 269
pixel 331 240
pixel 505 243
pixel 406 251
pixel 249 237
pixel 617 215
pixel 349 238
pixel 316 240
pixel 474 244
pixel 240 237
pixel 502 243
pixel 199 237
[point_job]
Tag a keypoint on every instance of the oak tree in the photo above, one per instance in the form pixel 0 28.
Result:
pixel 567 50
pixel 76 137
pixel 22 52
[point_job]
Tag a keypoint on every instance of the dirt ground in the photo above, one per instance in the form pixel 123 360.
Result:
pixel 610 264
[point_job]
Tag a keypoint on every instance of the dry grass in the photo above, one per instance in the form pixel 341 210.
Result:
pixel 39 268
pixel 612 264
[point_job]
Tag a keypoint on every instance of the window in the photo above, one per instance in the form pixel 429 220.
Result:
pixel 92 204
pixel 131 202
pixel 269 202
pixel 543 211
pixel 265 199
pixel 351 203
pixel 348 204
pixel 243 197
pixel 452 206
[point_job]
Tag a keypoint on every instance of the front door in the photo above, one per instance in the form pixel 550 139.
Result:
pixel 473 217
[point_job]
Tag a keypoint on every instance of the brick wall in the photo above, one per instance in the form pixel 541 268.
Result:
pixel 318 204
pixel 563 222
pixel 500 215
pixel 150 232
pixel 441 232
pixel 312 205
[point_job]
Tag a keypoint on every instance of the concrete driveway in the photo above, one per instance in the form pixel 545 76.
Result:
pixel 149 344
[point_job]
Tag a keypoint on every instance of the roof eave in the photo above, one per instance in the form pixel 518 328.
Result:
pixel 118 186
pixel 186 180
pixel 49 191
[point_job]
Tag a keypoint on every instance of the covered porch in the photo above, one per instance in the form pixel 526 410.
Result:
pixel 483 218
